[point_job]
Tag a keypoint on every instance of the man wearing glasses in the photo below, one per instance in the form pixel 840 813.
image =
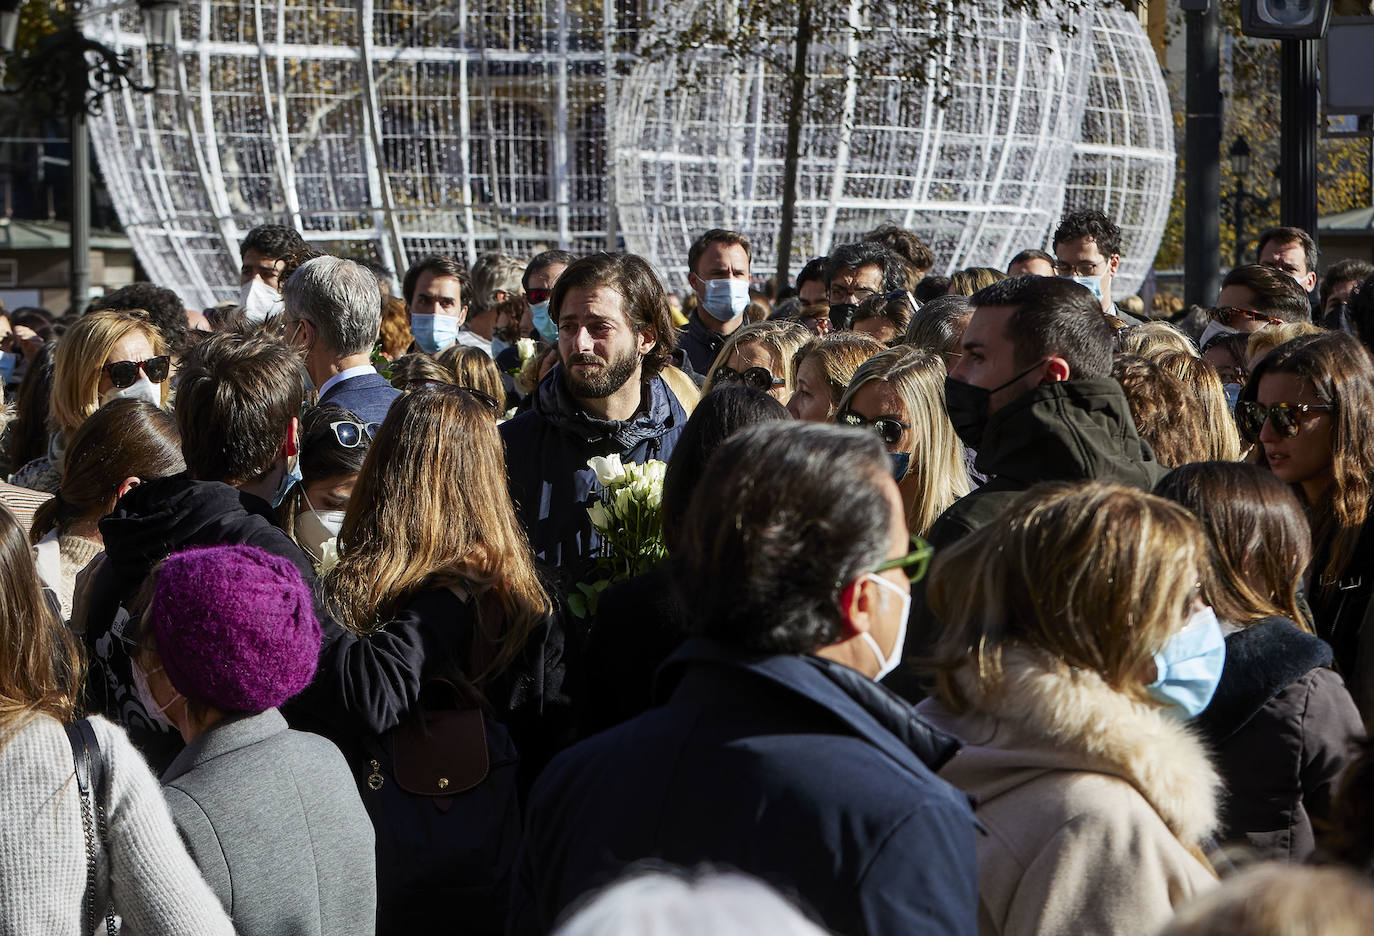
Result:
pixel 854 272
pixel 1087 249
pixel 773 751
pixel 1253 296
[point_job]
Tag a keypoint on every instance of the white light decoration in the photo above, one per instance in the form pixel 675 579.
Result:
pixel 387 129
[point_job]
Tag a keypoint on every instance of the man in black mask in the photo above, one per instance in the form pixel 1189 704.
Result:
pixel 1032 396
pixel 854 272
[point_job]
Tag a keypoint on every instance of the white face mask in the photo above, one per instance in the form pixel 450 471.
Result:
pixel 317 528
pixel 1092 283
pixel 1212 330
pixel 888 664
pixel 141 389
pixel 156 713
pixel 259 300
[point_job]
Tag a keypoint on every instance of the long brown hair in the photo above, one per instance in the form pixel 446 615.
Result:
pixel 41 667
pixel 123 439
pixel 1095 575
pixel 1261 542
pixel 431 508
pixel 1341 373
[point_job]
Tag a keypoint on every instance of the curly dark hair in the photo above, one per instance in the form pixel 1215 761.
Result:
pixel 163 306
pixel 1091 223
pixel 276 241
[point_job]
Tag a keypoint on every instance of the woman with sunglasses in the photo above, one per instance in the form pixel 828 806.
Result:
pixel 436 574
pixel 900 395
pixel 885 317
pixel 1074 649
pixel 107 355
pixel 1307 407
pixel 759 356
pixel 334 443
pixel 1282 725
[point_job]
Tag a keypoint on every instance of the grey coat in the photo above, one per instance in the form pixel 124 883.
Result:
pixel 273 819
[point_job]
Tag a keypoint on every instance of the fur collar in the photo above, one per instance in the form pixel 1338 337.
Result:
pixel 1089 725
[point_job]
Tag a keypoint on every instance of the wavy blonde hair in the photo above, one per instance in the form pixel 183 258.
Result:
pixel 937 470
pixel 1204 383
pixel 781 336
pixel 1151 338
pixel 81 354
pixel 1098 576
pixel 839 355
pixel 431 509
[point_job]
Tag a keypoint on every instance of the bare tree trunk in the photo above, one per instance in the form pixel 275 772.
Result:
pixel 796 103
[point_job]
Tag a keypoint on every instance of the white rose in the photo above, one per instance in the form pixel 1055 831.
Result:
pixel 527 348
pixel 601 520
pixel 608 469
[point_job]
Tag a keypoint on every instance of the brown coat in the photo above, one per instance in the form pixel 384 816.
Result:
pixel 1094 804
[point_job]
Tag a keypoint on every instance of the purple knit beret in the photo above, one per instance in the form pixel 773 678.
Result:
pixel 235 627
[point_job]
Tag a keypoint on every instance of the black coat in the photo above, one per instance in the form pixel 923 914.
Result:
pixel 1343 615
pixel 1283 728
pixel 792 768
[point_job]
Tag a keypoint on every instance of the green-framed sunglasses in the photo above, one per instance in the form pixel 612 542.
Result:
pixel 915 562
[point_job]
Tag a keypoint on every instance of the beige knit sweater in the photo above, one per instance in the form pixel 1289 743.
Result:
pixel 145 871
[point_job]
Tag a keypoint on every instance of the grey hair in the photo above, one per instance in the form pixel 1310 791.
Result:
pixel 493 273
pixel 936 326
pixel 677 904
pixel 340 298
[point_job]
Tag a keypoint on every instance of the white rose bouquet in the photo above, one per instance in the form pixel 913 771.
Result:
pixel 629 520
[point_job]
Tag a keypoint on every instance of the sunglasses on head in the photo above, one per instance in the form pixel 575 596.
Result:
pixel 889 428
pixel 125 373
pixel 1227 315
pixel 1251 417
pixel 350 434
pixel 537 296
pixel 755 378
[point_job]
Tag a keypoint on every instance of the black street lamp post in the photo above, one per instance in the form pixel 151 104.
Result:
pixel 66 75
pixel 1239 156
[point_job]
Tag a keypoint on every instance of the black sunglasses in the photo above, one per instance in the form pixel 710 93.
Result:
pixel 350 434
pixel 755 378
pixel 1227 315
pixel 1251 417
pixel 125 373
pixel 889 428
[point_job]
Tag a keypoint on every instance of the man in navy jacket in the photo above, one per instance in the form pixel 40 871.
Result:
pixel 775 752
pixel 333 311
pixel 604 397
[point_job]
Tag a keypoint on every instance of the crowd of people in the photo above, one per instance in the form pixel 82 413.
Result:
pixel 984 603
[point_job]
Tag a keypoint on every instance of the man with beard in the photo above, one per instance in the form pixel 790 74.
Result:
pixel 604 397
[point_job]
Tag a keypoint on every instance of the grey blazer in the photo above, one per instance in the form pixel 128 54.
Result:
pixel 273 819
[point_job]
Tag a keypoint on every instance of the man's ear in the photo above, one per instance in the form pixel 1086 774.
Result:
pixel 856 608
pixel 292 445
pixel 648 339
pixel 1113 264
pixel 127 485
pixel 1057 370
pixel 696 282
pixel 462 315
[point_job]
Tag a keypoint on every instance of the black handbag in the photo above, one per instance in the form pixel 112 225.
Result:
pixel 90 783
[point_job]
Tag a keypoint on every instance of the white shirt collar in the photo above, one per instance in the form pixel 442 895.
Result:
pixel 343 375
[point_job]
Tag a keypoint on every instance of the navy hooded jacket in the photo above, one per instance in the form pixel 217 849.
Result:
pixel 547 449
pixel 795 769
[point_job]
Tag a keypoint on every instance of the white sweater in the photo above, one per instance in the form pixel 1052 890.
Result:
pixel 145 869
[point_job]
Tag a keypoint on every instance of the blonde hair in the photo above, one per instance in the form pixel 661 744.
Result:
pixel 1281 899
pixel 473 367
pixel 1271 336
pixel 431 509
pixel 1151 338
pixel 80 356
pixel 937 470
pixel 1096 575
pixel 682 386
pixel 780 336
pixel 839 355
pixel 1221 437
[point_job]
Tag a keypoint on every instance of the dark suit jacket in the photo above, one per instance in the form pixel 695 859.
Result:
pixel 367 395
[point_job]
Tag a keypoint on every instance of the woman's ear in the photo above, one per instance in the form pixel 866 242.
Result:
pixel 127 485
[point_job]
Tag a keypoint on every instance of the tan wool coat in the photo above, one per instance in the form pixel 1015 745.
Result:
pixel 1094 804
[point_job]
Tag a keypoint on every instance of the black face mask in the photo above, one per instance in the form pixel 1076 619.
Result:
pixel 841 313
pixel 968 406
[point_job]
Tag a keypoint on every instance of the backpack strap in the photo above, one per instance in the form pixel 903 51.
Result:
pixel 90 784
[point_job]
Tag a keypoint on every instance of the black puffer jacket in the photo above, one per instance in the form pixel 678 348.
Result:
pixel 1283 727
pixel 1343 614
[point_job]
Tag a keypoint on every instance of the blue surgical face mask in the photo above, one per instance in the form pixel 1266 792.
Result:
pixel 8 362
pixel 901 464
pixel 289 479
pixel 434 333
pixel 1189 666
pixel 1232 391
pixel 539 313
pixel 726 299
pixel 1093 284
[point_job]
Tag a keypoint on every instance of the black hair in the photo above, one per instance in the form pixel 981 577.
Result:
pixel 274 241
pixel 322 456
pixel 784 517
pixel 906 244
pixel 930 288
pixel 1026 256
pixel 1362 312
pixel 1291 235
pixel 1093 224
pixel 29 431
pixel 867 253
pixel 542 261
pixel 1276 293
pixel 813 271
pixel 717 416
pixel 164 307
pixel 716 236
pixel 1054 315
pixel 437 265
pixel 1343 271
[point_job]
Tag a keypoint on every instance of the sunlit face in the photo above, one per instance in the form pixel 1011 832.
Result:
pixel 856 285
pixel 719 261
pixel 438 295
pixel 1082 257
pixel 599 348
pixel 259 266
pixel 749 354
pixel 811 399
pixel 133 346
pixel 1306 458
pixel 1290 258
